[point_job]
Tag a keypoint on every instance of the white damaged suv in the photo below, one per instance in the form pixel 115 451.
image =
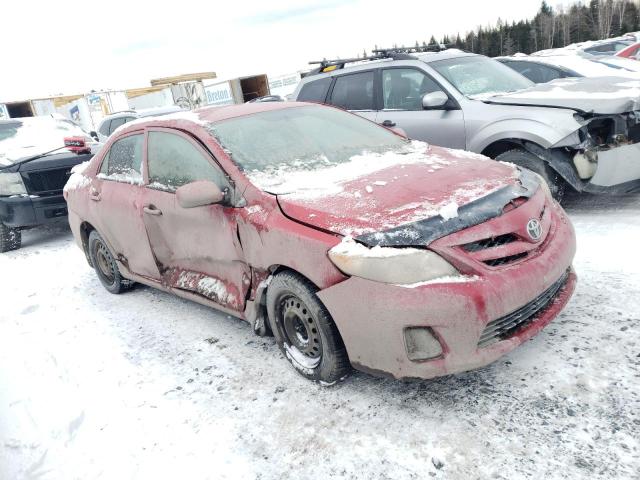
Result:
pixel 578 132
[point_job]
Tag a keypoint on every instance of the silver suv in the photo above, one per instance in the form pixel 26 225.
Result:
pixel 581 132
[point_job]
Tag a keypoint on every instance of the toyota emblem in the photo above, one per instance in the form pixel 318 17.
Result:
pixel 534 229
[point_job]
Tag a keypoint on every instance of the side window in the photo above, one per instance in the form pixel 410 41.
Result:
pixel 123 161
pixel 115 123
pixel 403 88
pixel 128 119
pixel 174 161
pixel 315 91
pixel 104 128
pixel 354 91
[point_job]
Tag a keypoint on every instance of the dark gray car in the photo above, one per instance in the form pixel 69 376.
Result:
pixel 582 132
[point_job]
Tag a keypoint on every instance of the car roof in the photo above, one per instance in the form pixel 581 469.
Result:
pixel 429 57
pixel 211 114
pixel 225 112
pixel 145 112
pixel 355 64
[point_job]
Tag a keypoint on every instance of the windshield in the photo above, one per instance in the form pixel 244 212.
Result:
pixel 24 137
pixel 480 76
pixel 302 137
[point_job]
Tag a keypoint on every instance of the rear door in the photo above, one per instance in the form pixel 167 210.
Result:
pixel 196 249
pixel 402 89
pixel 115 198
pixel 355 92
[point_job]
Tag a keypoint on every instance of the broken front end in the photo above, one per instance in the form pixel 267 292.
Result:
pixel 603 156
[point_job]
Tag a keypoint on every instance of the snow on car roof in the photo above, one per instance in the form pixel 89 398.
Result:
pixel 572 48
pixel 584 66
pixel 443 55
pixel 206 115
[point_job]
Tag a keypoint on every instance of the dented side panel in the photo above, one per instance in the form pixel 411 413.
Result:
pixel 197 248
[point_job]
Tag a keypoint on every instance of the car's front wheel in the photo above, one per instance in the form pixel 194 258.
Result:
pixel 304 329
pixel 525 159
pixel 10 238
pixel 105 265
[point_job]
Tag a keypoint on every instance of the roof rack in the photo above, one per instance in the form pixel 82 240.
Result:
pixel 396 53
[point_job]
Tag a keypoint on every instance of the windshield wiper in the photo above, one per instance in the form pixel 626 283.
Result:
pixel 31 159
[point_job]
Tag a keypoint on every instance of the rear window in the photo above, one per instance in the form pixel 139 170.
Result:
pixel 115 123
pixel 354 91
pixel 315 91
pixel 104 128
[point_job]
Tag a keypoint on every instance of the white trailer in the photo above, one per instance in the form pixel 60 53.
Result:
pixel 237 90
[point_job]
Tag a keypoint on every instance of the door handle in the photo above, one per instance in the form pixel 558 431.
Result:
pixel 388 123
pixel 152 210
pixel 94 195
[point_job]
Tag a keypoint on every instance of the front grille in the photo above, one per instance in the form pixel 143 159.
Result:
pixel 491 242
pixel 497 262
pixel 47 181
pixel 506 326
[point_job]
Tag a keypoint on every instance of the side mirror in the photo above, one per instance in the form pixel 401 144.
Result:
pixel 199 194
pixel 94 135
pixel 434 100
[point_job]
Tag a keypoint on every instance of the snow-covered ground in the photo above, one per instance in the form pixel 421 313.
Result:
pixel 146 385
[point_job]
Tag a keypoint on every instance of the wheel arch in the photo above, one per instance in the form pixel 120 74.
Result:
pixel 85 230
pixel 501 146
pixel 260 298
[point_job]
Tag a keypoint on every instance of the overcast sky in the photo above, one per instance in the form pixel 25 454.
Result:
pixel 74 46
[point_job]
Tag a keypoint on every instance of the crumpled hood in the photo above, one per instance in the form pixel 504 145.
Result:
pixel 399 193
pixel 604 95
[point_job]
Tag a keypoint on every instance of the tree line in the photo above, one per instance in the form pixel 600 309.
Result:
pixel 550 28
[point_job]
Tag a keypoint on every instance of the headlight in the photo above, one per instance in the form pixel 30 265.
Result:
pixel 389 264
pixel 11 184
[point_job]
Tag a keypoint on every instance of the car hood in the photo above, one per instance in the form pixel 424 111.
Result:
pixel 603 95
pixel 388 194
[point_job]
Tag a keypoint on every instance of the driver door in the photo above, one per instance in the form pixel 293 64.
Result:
pixel 196 249
pixel 402 92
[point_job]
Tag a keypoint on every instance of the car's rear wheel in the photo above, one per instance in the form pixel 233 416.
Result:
pixel 10 238
pixel 525 159
pixel 304 329
pixel 105 265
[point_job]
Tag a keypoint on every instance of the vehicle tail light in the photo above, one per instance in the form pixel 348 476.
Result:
pixel 77 145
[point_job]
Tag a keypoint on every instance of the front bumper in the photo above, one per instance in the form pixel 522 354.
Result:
pixel 24 211
pixel 617 172
pixel 372 317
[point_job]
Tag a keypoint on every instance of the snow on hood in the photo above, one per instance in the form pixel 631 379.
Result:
pixel 326 178
pixel 604 95
pixel 377 192
pixel 24 137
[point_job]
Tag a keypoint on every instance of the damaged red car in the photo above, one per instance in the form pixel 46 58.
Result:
pixel 353 245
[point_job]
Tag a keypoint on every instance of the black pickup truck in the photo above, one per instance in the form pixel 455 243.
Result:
pixel 36 158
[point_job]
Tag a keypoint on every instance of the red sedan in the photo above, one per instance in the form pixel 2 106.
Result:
pixel 351 244
pixel 630 52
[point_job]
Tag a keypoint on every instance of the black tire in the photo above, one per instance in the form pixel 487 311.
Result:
pixel 105 265
pixel 525 159
pixel 304 330
pixel 10 238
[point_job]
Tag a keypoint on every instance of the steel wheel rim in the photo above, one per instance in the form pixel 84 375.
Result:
pixel 104 261
pixel 299 331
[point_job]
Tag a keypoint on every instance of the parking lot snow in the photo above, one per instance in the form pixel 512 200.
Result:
pixel 146 385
